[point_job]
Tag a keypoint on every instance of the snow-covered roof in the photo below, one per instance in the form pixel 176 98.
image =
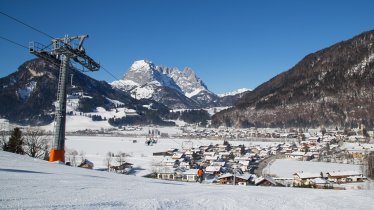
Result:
pixel 165 170
pixel 307 175
pixel 259 180
pixel 168 159
pixel 344 173
pixel 245 176
pixel 244 162
pixel 177 155
pixel 209 153
pixel 296 153
pixel 191 172
pixel 213 168
pixel 226 175
pixel 320 181
pixel 218 163
pixel 211 157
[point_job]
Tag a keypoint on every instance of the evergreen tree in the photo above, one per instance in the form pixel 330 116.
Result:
pixel 15 142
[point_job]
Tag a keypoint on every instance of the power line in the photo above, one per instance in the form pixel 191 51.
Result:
pixel 13 42
pixel 25 24
pixel 44 33
pixel 118 80
pixel 107 71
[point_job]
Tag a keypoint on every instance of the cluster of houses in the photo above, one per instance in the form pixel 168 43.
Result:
pixel 327 180
pixel 222 163
pixel 228 164
pixel 356 135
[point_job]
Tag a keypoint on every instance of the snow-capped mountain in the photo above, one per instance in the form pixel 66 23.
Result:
pixel 170 86
pixel 27 96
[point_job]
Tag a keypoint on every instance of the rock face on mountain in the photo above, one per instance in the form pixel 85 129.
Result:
pixel 331 87
pixel 27 95
pixel 169 86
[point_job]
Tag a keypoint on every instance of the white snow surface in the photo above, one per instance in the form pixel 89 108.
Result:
pixel 284 168
pixel 145 92
pixel 241 90
pixel 25 92
pixel 96 148
pixel 195 92
pixel 27 183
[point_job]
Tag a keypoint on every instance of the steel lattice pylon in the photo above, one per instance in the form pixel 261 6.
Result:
pixel 62 52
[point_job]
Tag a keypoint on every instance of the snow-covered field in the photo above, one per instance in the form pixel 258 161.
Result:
pixel 27 183
pixel 286 168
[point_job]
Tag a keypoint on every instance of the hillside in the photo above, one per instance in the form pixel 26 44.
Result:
pixel 35 184
pixel 27 96
pixel 332 87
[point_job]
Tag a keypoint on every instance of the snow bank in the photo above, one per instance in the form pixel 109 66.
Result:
pixel 27 183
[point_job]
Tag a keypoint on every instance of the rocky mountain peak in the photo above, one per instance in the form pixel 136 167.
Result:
pixel 170 86
pixel 142 65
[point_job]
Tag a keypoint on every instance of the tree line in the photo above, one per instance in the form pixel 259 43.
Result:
pixel 33 142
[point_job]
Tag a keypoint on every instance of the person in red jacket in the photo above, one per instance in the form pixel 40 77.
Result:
pixel 200 174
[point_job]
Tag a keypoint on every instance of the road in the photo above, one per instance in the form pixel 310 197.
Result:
pixel 265 162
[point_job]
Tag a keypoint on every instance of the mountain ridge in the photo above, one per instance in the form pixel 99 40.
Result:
pixel 146 80
pixel 331 87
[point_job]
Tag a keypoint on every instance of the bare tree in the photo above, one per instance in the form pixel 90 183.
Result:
pixel 82 154
pixel 3 135
pixel 36 143
pixel 108 160
pixel 120 157
pixel 71 156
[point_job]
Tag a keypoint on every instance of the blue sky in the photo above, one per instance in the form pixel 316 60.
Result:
pixel 230 44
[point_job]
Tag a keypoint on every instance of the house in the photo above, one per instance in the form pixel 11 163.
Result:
pixel 265 181
pixel 168 161
pixel 184 164
pixel 345 176
pixel 357 138
pixel 214 170
pixel 321 183
pixel 177 155
pixel 218 163
pixel 308 156
pixel 264 153
pixel 166 173
pixel 124 168
pixel 190 175
pixel 244 179
pixel 304 178
pixel 295 155
pixel 224 155
pixel 86 164
pixel 244 165
pixel 239 179
pixel 223 147
pixel 211 158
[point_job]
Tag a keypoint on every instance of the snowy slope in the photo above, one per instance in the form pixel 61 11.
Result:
pixel 235 92
pixel 27 183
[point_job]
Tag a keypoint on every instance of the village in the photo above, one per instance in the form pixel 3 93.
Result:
pixel 224 163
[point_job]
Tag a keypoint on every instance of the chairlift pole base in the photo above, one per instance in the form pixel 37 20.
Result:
pixel 57 155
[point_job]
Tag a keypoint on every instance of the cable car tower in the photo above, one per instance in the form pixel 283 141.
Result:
pixel 61 52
